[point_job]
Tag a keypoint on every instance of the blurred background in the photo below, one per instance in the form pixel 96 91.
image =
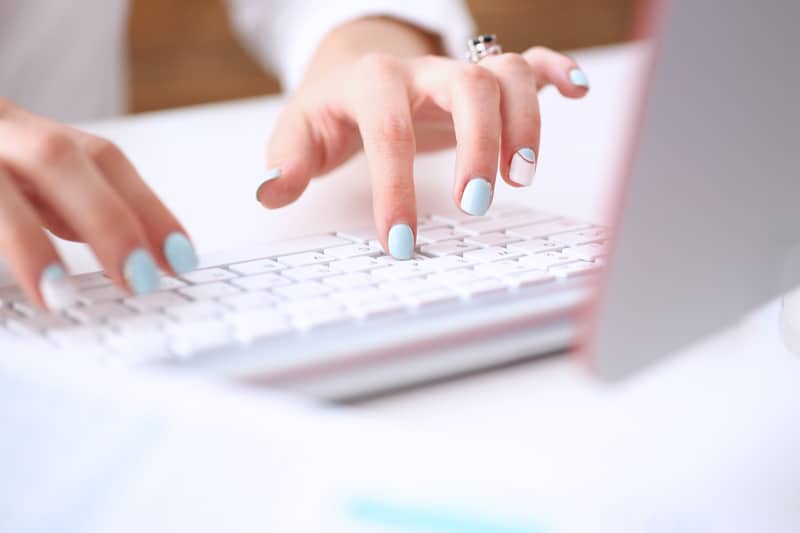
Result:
pixel 184 52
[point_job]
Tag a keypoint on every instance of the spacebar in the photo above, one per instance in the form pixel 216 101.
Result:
pixel 272 249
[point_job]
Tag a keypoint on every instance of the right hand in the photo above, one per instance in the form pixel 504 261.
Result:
pixel 80 187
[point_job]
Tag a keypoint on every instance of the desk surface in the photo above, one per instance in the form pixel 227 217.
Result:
pixel 718 422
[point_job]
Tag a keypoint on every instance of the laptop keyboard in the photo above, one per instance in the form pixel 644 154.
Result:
pixel 311 283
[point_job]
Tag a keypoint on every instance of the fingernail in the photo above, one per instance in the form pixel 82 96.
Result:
pixel 272 174
pixel 477 197
pixel 180 253
pixel 523 166
pixel 577 77
pixel 401 241
pixel 140 271
pixel 56 288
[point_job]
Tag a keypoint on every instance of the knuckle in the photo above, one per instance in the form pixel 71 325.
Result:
pixel 53 147
pixel 393 129
pixel 102 150
pixel 378 66
pixel 478 77
pixel 512 63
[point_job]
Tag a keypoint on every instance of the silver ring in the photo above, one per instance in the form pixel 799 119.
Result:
pixel 482 46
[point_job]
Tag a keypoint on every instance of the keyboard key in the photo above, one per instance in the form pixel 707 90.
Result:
pixel 409 269
pixel 305 258
pixel 384 260
pixel 547 228
pixel 361 235
pixel 503 223
pixel 501 268
pixel 458 277
pixel 260 266
pixel 196 311
pixel 375 308
pixel 138 323
pixel 307 289
pixel 313 313
pixel 347 281
pixel 155 301
pixel 355 264
pixel 307 244
pixel 136 346
pixel 200 336
pixel 208 275
pixel 38 324
pixel 480 287
pixel 106 293
pixel 428 225
pixel 310 272
pixel 351 250
pixel 208 291
pixel 250 326
pixel 363 294
pixel 493 253
pixel 583 236
pixel 260 281
pixel 528 278
pixel 491 239
pixel 168 283
pixel 438 235
pixel 545 260
pixel 534 246
pixel 575 269
pixel 454 219
pixel 249 300
pixel 453 247
pixel 433 297
pixel 100 312
pixel 441 264
pixel 586 252
pixel 91 280
pixel 410 286
pixel 75 336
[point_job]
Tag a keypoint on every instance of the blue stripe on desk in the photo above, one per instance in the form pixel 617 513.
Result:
pixel 431 520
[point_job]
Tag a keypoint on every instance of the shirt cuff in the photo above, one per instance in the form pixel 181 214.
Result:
pixel 284 35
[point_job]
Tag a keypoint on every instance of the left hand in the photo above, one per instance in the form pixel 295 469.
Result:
pixel 395 106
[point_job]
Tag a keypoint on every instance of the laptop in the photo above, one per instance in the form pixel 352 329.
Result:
pixel 705 228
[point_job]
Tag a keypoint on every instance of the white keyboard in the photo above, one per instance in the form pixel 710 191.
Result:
pixel 305 285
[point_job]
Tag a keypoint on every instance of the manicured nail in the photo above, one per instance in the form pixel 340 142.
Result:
pixel 140 271
pixel 577 77
pixel 272 174
pixel 477 197
pixel 401 241
pixel 180 253
pixel 523 166
pixel 56 288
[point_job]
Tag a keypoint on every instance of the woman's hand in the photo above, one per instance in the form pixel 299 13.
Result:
pixel 399 100
pixel 80 187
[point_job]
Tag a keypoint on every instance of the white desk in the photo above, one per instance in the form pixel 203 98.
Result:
pixel 715 429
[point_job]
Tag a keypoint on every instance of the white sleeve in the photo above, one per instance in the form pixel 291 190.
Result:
pixel 283 34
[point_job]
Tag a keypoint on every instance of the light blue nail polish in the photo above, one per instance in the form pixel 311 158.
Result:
pixel 401 241
pixel 180 253
pixel 528 154
pixel 577 77
pixel 272 174
pixel 477 197
pixel 140 271
pixel 52 273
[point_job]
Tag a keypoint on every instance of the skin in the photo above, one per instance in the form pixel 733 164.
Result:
pixel 399 98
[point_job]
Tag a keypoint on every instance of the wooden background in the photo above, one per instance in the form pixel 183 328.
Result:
pixel 184 52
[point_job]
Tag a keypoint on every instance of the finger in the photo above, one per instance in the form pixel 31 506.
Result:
pixel 69 183
pixel 384 119
pixel 167 239
pixel 28 251
pixel 552 68
pixel 519 111
pixel 475 100
pixel 302 147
